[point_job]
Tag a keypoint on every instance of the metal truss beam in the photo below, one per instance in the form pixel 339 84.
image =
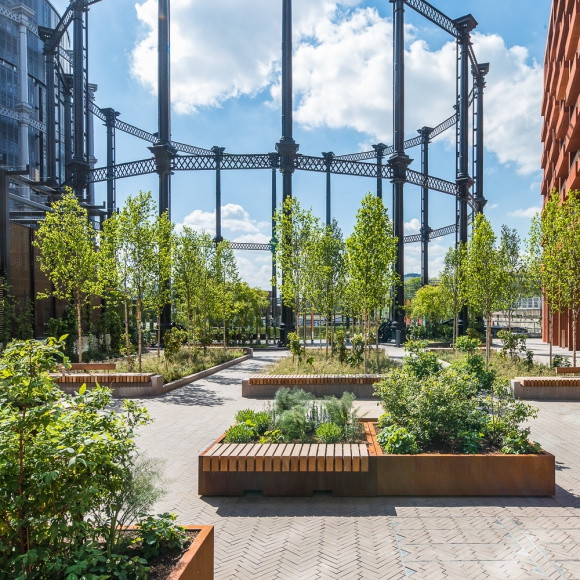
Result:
pixel 446 231
pixel 18 18
pixel 247 246
pixel 409 143
pixel 145 135
pixel 436 16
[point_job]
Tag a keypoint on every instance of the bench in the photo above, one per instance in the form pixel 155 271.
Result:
pixel 546 388
pixel 319 385
pixel 567 370
pixel 286 457
pixel 89 367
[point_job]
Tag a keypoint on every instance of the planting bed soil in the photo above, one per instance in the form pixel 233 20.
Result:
pixel 292 473
pixel 163 565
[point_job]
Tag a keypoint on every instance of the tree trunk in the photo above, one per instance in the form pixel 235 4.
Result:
pixel 377 339
pixel 158 336
pixel 487 341
pixel 127 343
pixel 140 334
pixel 574 315
pixel 79 331
pixel 225 333
pixel 550 331
pixel 365 336
pixel 304 329
pixel 326 336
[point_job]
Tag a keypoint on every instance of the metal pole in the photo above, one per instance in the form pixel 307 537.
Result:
pixel 329 157
pixel 425 229
pixel 218 152
pixel 287 147
pixel 111 118
pixel 399 163
pixel 380 149
pixel 4 227
pixel 79 160
pixel 67 124
pixel 465 24
pixel 50 120
pixel 479 86
pixel 163 149
pixel 274 161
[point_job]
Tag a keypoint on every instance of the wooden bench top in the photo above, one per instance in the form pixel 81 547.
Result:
pixel 286 457
pixel 549 381
pixel 91 367
pixel 314 379
pixel 103 378
pixel 567 370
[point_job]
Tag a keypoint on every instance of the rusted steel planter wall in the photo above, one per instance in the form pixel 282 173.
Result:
pixel 198 562
pixel 233 471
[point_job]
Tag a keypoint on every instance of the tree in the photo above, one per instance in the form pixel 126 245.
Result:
pixel 328 273
pixel 158 294
pixel 227 280
pixel 295 234
pixel 428 305
pixel 568 255
pixel 371 255
pixel 66 240
pixel 516 285
pixel 487 275
pixel 452 284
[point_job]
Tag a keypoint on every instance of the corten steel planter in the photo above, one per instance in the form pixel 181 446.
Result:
pixel 198 562
pixel 301 470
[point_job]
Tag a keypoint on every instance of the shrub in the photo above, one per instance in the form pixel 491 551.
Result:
pixel 62 458
pixel 467 345
pixel 293 424
pixel 173 340
pixel 518 443
pixel 241 433
pixel 560 361
pixel 357 352
pixel 339 346
pixel 260 419
pixel 329 433
pixel 397 441
pixel 385 420
pixel 343 413
pixel 159 532
pixel 470 441
pixel 287 399
pixel 420 362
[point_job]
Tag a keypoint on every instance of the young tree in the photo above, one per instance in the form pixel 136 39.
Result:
pixel 371 255
pixel 295 233
pixel 328 273
pixel 568 243
pixel 227 280
pixel 516 285
pixel 452 284
pixel 487 274
pixel 66 240
pixel 428 305
pixel 158 294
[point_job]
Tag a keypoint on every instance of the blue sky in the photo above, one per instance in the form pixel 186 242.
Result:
pixel 226 87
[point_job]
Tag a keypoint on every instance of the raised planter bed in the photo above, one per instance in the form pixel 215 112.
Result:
pixel 364 470
pixel 136 385
pixel 319 385
pixel 546 388
pixel 198 562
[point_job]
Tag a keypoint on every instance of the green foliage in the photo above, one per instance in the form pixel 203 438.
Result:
pixel 65 325
pixel 467 344
pixel 66 240
pixel 470 441
pixel 157 533
pixel 397 441
pixel 293 423
pixel 275 436
pixel 329 433
pixel 287 399
pixel 384 421
pixel 345 415
pixel 62 458
pixel 357 351
pixel 452 286
pixel 260 419
pixel 173 340
pixel 17 318
pixel 420 362
pixel 241 433
pixel 339 346
pixel 429 305
pixel 560 361
pixel 518 443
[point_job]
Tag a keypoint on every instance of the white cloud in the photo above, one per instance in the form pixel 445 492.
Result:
pixel 342 70
pixel 253 239
pixel 493 206
pixel 413 226
pixel 437 251
pixel 255 268
pixel 234 218
pixel 529 212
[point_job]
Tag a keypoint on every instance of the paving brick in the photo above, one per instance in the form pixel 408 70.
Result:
pixel 367 538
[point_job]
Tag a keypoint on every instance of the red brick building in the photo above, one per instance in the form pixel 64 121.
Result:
pixel 561 128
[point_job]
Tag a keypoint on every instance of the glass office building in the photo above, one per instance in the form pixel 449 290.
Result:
pixel 23 88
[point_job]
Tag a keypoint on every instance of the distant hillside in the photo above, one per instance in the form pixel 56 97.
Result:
pixel 407 276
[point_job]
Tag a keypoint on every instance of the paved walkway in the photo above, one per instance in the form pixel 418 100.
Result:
pixel 387 538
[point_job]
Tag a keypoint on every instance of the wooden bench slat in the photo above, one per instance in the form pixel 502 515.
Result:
pixel 355 457
pixel 329 457
pixel 277 461
pixel 269 457
pixel 295 457
pixel 346 457
pixel 320 457
pixel 286 457
pixel 338 456
pixel 259 464
pixel 364 457
pixel 312 454
pixel 241 455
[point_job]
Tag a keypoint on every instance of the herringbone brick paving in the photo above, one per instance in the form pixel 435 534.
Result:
pixel 323 538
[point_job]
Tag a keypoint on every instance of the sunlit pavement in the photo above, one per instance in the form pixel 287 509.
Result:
pixel 343 538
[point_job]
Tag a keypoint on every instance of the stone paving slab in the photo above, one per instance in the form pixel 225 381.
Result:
pixel 365 538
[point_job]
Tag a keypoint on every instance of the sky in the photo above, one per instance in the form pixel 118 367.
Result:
pixel 226 91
